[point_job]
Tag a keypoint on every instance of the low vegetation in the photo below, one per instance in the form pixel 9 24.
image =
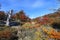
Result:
pixel 6 33
pixel 41 28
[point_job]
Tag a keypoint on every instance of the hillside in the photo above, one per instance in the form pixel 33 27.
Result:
pixel 49 17
pixel 54 15
pixel 46 27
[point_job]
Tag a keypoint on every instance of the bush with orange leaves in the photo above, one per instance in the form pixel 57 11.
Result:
pixel 55 34
pixel 5 34
pixel 52 33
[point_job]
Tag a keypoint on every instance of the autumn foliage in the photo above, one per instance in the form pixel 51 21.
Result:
pixel 5 34
pixel 2 15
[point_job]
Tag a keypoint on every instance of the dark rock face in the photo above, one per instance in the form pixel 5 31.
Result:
pixel 14 36
pixel 56 25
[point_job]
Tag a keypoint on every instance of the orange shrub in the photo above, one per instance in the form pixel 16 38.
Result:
pixel 5 33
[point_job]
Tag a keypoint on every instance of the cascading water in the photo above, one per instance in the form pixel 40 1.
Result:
pixel 7 22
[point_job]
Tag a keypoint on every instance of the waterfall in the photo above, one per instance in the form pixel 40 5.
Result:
pixel 7 22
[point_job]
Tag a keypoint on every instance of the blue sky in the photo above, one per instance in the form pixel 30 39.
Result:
pixel 32 8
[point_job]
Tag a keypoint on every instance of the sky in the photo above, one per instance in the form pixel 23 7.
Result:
pixel 32 8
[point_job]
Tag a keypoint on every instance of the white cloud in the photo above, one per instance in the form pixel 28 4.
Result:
pixel 37 4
